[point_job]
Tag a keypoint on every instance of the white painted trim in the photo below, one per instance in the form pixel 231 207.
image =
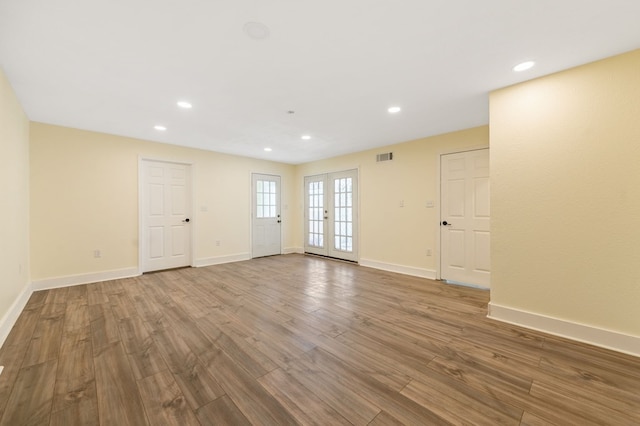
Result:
pixel 400 269
pixel 291 250
pixel 571 330
pixel 10 318
pixel 209 261
pixel 94 277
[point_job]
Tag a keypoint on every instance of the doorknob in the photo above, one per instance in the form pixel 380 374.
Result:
pixel 445 223
pixel 186 220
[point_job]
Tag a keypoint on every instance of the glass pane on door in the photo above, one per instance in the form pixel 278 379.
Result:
pixel 266 199
pixel 343 214
pixel 316 214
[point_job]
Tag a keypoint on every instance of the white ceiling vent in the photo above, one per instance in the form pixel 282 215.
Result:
pixel 387 156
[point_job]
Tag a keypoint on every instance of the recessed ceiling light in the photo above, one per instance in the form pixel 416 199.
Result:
pixel 268 149
pixel 394 109
pixel 306 137
pixel 524 66
pixel 184 104
pixel 159 127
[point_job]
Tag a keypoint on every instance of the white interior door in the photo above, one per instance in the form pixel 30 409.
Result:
pixel 331 214
pixel 465 218
pixel 165 215
pixel 266 220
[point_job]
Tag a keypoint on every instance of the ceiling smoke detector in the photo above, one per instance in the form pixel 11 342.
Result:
pixel 256 30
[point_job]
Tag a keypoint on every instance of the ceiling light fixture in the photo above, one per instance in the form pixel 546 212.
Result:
pixel 394 110
pixel 159 127
pixel 524 66
pixel 268 149
pixel 306 137
pixel 184 104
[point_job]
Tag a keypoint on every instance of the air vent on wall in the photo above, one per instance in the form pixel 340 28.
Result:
pixel 387 156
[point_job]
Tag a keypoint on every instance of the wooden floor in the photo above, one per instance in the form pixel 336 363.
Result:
pixel 297 340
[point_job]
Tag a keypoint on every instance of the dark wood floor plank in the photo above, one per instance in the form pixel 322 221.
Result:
pixel 75 381
pixel 104 327
pixel 297 340
pixel 144 356
pixel 32 396
pixel 164 402
pixel 45 343
pixel 255 403
pixel 11 358
pixel 118 397
pixel 306 407
pixel 22 331
pixel 387 399
pixel 221 412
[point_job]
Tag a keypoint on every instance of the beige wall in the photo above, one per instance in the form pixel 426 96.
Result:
pixel 84 197
pixel 390 234
pixel 14 199
pixel 565 166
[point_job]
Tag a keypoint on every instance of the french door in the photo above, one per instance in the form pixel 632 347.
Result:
pixel 465 218
pixel 331 215
pixel 266 221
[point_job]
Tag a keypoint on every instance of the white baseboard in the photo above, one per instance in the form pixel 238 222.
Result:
pixel 583 333
pixel 210 261
pixel 94 277
pixel 401 269
pixel 291 250
pixel 10 318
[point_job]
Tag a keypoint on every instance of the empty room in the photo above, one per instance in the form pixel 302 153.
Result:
pixel 315 213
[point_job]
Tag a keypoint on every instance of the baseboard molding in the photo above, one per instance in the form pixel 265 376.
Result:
pixel 210 261
pixel 400 269
pixel 10 318
pixel 93 277
pixel 292 250
pixel 583 333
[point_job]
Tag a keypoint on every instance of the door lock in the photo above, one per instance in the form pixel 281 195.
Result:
pixel 445 223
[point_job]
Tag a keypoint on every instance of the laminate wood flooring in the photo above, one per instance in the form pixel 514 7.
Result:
pixel 295 339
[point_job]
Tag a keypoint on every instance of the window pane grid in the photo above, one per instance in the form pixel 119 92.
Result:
pixel 266 199
pixel 343 214
pixel 316 214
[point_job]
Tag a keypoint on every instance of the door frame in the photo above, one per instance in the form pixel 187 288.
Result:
pixel 252 206
pixel 357 204
pixel 141 222
pixel 438 204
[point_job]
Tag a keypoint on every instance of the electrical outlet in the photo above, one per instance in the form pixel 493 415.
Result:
pixel 217 243
pixel 97 254
pixel 428 252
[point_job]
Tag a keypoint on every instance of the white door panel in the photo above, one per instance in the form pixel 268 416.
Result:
pixel 165 215
pixel 465 218
pixel 265 219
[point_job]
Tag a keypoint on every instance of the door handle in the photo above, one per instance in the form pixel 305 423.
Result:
pixel 445 223
pixel 186 220
pixel 279 221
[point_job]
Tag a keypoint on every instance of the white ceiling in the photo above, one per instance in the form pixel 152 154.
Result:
pixel 120 66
